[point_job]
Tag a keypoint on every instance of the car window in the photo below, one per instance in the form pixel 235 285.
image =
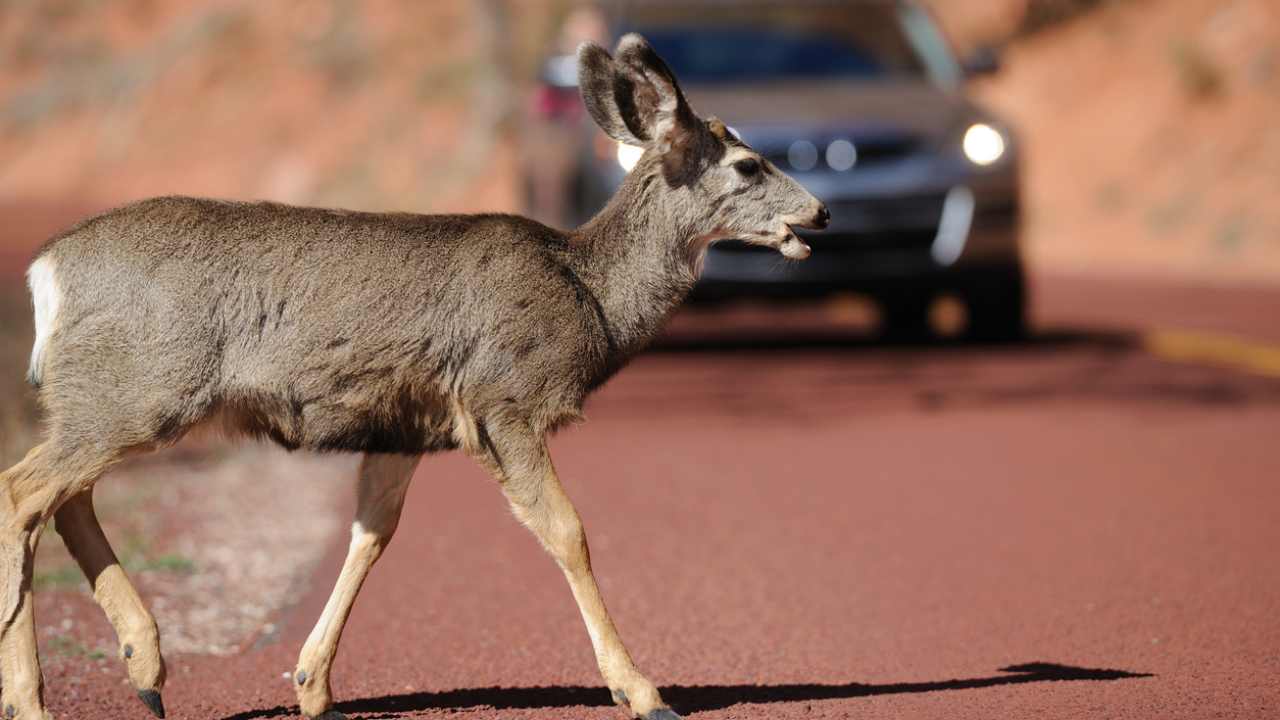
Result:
pixel 777 42
pixel 722 55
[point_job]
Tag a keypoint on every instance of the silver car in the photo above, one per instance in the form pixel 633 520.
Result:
pixel 865 103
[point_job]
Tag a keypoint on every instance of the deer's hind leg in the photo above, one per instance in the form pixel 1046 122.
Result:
pixel 383 481
pixel 136 629
pixel 30 493
pixel 518 458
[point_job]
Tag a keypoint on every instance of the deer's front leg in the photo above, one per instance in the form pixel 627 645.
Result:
pixel 384 479
pixel 523 467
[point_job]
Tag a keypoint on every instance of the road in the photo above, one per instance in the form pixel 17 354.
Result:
pixel 1084 525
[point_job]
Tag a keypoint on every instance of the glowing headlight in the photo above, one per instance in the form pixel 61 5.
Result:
pixel 983 144
pixel 628 156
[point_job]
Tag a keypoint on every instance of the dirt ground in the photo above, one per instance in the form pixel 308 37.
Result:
pixel 821 526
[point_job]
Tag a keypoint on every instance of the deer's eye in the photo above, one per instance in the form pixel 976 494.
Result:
pixel 747 167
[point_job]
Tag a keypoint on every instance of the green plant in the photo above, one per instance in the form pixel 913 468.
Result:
pixel 171 563
pixel 70 647
pixel 61 577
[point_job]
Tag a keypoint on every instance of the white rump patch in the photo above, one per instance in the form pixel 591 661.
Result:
pixel 47 297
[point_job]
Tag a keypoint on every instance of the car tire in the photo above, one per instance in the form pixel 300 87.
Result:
pixel 998 308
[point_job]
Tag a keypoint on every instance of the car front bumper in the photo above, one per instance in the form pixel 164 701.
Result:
pixel 940 241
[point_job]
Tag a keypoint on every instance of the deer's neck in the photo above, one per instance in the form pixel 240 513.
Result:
pixel 634 257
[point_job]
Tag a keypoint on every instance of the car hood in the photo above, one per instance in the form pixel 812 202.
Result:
pixel 918 108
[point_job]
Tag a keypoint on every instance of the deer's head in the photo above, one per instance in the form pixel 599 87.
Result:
pixel 720 187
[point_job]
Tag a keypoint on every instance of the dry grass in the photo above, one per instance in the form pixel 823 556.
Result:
pixel 1198 72
pixel 18 410
pixel 1044 14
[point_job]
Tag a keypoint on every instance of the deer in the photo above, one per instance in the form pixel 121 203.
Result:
pixel 389 335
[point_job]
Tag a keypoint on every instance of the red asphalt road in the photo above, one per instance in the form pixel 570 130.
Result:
pixel 828 530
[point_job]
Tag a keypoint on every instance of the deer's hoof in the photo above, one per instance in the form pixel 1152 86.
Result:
pixel 22 715
pixel 662 714
pixel 153 701
pixel 13 713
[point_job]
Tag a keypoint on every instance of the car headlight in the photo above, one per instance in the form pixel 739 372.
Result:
pixel 983 144
pixel 628 156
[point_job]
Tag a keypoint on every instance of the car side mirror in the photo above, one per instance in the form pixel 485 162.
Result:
pixel 560 71
pixel 984 60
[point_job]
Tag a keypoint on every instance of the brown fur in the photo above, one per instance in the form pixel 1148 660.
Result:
pixel 383 334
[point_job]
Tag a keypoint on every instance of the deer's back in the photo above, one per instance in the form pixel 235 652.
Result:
pixel 318 328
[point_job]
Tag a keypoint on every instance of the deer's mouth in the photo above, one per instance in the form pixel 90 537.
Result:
pixel 792 247
pixel 784 240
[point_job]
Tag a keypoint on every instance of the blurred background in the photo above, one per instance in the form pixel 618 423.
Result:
pixel 1118 163
pixel 1149 141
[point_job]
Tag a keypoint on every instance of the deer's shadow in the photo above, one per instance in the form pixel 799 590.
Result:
pixel 689 698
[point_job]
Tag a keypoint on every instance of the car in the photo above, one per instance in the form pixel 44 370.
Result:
pixel 866 104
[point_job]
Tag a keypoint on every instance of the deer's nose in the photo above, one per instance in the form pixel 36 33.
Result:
pixel 823 219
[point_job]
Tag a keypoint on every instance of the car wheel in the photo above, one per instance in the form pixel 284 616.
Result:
pixel 998 309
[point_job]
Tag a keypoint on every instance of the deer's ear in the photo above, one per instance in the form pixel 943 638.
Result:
pixel 650 100
pixel 600 81
pixel 658 112
pixel 636 100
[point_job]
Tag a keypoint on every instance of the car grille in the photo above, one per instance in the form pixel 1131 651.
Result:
pixel 870 152
pixel 911 212
pixel 890 224
pixel 873 241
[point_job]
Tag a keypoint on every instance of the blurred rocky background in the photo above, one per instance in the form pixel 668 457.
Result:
pixel 1152 145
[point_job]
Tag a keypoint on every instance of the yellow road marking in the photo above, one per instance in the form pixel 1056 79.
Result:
pixel 1212 349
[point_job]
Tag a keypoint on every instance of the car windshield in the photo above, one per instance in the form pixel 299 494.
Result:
pixel 778 43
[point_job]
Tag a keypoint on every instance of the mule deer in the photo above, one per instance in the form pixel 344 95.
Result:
pixel 391 335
